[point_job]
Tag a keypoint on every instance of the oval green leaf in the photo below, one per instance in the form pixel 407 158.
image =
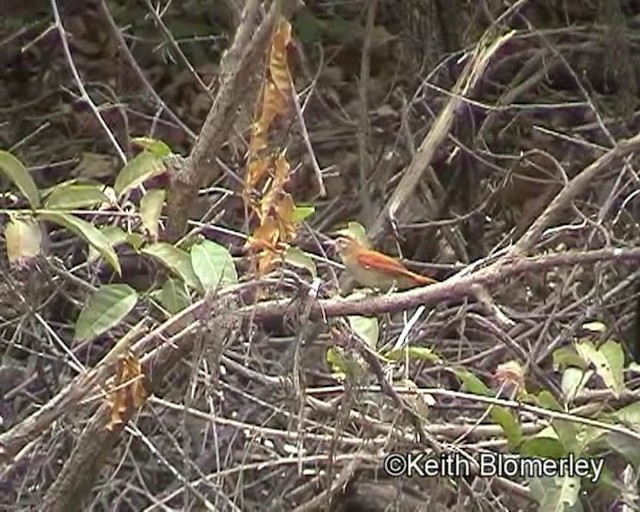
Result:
pixel 608 361
pixel 509 424
pixel 213 265
pixel 173 296
pixel 20 177
pixel 157 147
pixel 565 357
pixel 367 328
pixel 543 444
pixel 470 382
pixel 611 368
pixel 88 232
pixel 104 310
pixel 114 235
pixel 298 258
pixel 176 260
pixel 301 212
pixel 72 196
pixel 138 170
pixel 574 381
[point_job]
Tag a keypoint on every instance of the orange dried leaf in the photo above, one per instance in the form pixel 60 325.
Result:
pixel 285 208
pixel 264 237
pixel 282 168
pixel 135 374
pixel 256 171
pixel 274 104
pixel 268 173
pixel 258 140
pixel 278 65
pixel 129 392
pixel 265 262
pixel 276 187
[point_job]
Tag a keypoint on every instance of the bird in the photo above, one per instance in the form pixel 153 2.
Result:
pixel 373 269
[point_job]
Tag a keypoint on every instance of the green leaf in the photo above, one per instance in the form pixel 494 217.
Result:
pixel 150 210
pixel 135 240
pixel 543 444
pixel 104 310
pixel 471 383
pixel 556 494
pixel 628 416
pixel 20 177
pixel 343 365
pixel 566 357
pixel 571 435
pixel 213 265
pixel 568 433
pixel 612 369
pixel 72 196
pixel 501 415
pixel 88 232
pixel 358 232
pixel 139 169
pixel 622 444
pixel 414 354
pixel 548 401
pixel 115 236
pixel 302 212
pixel 23 236
pixel 509 424
pixel 173 296
pixel 157 147
pixel 300 259
pixel 608 361
pixel 573 381
pixel 176 260
pixel 367 328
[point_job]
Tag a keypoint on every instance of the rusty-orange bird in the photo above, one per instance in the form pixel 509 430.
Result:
pixel 374 269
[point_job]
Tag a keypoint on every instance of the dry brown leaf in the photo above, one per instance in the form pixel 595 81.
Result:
pixel 284 215
pixel 510 375
pixel 267 169
pixel 129 392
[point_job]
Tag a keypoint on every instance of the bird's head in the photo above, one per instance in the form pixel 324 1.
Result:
pixel 345 245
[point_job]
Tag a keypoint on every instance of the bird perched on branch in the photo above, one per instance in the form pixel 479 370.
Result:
pixel 374 269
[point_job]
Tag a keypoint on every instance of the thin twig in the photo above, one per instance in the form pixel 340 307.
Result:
pixel 83 92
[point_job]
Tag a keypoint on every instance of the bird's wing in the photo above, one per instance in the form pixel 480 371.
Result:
pixel 391 266
pixel 382 263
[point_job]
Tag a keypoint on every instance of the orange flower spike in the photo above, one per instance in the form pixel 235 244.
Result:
pixel 374 269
